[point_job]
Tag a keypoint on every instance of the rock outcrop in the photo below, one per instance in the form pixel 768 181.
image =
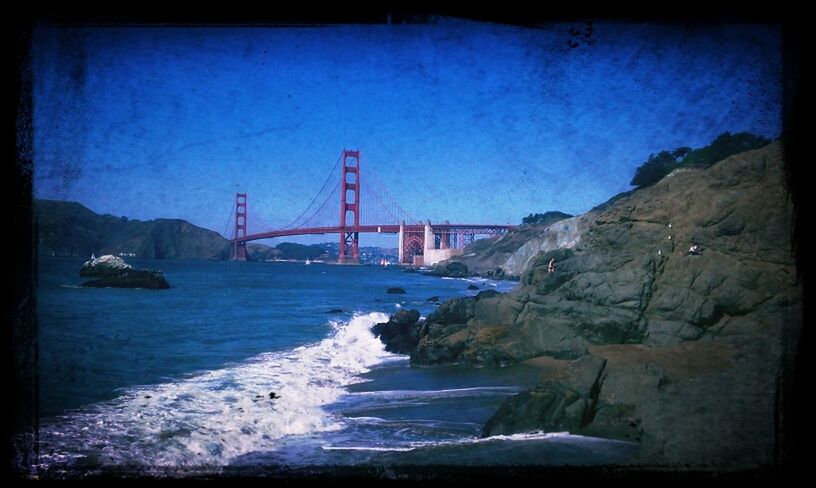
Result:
pixel 630 280
pixel 102 266
pixel 114 272
pixel 691 345
pixel 399 334
pixel 134 278
pixel 452 269
pixel 564 402
pixel 507 256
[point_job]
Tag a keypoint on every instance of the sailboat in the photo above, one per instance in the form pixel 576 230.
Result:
pixel 308 261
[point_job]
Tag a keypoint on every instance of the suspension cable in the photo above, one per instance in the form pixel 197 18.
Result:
pixel 317 194
pixel 226 227
pixel 324 202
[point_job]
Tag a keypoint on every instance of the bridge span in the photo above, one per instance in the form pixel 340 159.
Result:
pixel 420 243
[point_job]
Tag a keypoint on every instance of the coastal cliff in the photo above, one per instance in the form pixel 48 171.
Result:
pixel 638 338
pixel 508 255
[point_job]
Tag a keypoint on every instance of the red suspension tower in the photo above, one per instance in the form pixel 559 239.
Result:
pixel 239 251
pixel 350 207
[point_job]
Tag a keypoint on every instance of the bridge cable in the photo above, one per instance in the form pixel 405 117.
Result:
pixel 317 194
pixel 226 227
pixel 398 209
pixel 336 187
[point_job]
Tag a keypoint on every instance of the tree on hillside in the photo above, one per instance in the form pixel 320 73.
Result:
pixel 664 162
pixel 726 144
pixel 658 166
pixel 545 218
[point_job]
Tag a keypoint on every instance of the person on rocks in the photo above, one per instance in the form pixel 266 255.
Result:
pixel 551 265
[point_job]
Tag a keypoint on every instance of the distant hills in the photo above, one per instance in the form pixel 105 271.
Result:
pixel 71 229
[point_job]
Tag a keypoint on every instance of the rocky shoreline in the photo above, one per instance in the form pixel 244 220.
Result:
pixel 650 343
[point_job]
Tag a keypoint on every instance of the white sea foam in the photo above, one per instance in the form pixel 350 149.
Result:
pixel 410 446
pixel 366 448
pixel 211 418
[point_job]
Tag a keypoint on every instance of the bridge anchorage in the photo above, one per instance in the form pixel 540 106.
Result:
pixel 420 244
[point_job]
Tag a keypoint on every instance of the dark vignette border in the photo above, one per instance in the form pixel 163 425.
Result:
pixel 20 328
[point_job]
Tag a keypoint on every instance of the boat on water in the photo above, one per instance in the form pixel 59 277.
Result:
pixel 307 261
pixel 384 262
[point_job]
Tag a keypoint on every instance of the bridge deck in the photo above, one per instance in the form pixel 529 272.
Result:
pixel 379 229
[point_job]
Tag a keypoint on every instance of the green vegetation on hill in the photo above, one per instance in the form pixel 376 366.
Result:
pixel 659 165
pixel 71 229
pixel 545 218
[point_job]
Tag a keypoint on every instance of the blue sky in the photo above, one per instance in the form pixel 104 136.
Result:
pixel 470 122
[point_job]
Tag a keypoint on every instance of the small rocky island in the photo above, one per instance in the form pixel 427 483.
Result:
pixel 112 271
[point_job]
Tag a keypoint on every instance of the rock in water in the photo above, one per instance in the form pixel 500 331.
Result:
pixel 400 334
pixel 395 291
pixel 107 265
pixel 472 287
pixel 114 272
pixel 454 269
pixel 132 278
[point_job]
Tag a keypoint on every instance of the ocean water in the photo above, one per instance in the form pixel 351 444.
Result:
pixel 178 381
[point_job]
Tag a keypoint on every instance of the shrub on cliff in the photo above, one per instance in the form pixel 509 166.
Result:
pixel 545 218
pixel 658 165
pixel 726 144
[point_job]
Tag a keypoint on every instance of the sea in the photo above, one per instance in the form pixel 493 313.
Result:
pixel 243 368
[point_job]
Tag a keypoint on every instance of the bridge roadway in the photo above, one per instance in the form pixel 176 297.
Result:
pixel 379 229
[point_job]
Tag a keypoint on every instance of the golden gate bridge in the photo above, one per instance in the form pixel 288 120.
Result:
pixel 420 243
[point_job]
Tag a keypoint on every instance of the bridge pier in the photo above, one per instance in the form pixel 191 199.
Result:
pixel 432 255
pixel 239 250
pixel 401 250
pixel 429 237
pixel 350 189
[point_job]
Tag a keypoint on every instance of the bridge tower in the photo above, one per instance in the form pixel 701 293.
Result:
pixel 239 251
pixel 350 207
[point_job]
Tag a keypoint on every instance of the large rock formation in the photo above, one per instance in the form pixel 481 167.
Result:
pixel 114 272
pixel 133 278
pixel 508 255
pixel 693 343
pixel 453 269
pixel 629 279
pixel 399 334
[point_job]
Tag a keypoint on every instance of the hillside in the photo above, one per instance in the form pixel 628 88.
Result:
pixel 71 229
pixel 641 340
